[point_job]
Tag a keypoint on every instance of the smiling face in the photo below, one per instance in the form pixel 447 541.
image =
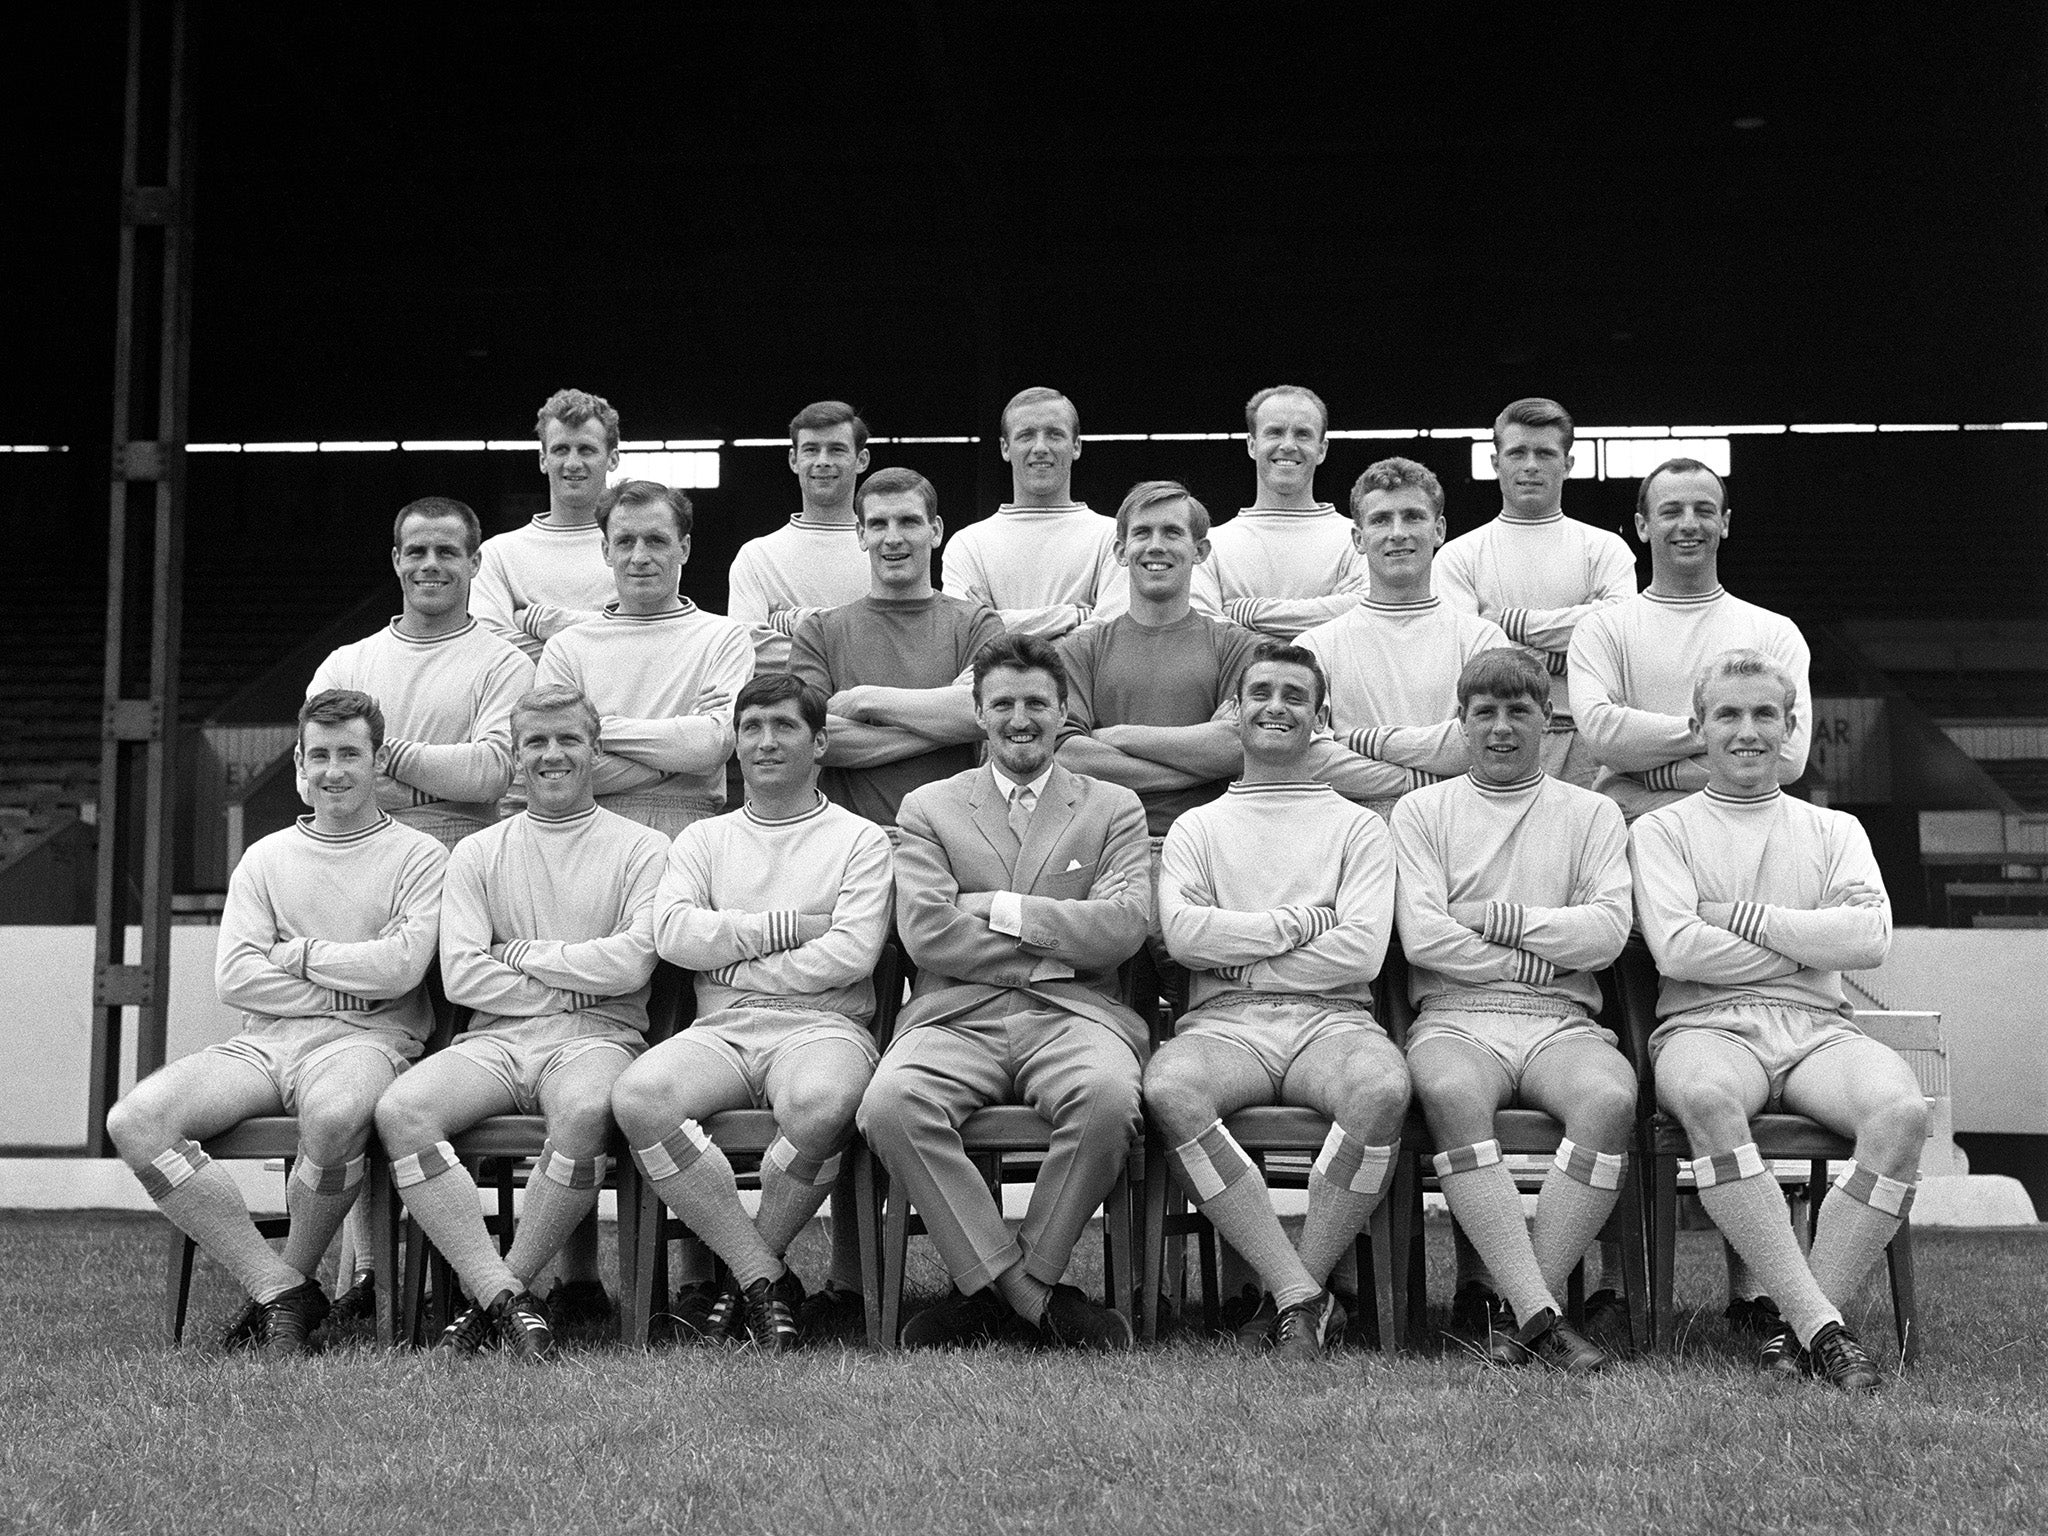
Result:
pixel 557 754
pixel 646 555
pixel 1684 527
pixel 1504 735
pixel 1746 721
pixel 779 754
pixel 435 566
pixel 340 770
pixel 1532 465
pixel 1160 550
pixel 576 460
pixel 1020 712
pixel 1286 444
pixel 1277 705
pixel 826 464
pixel 1040 445
pixel 1398 532
pixel 899 537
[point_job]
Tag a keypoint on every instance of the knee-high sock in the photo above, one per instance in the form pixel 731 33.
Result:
pixel 317 1199
pixel 1471 1263
pixel 1230 1191
pixel 696 1181
pixel 198 1194
pixel 442 1198
pixel 1577 1197
pixel 846 1275
pixel 794 1185
pixel 560 1193
pixel 1482 1195
pixel 1738 1192
pixel 1348 1180
pixel 1859 1217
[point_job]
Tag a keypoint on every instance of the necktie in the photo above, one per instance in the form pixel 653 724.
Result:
pixel 1021 804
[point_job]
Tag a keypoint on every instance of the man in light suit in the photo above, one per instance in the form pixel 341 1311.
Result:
pixel 1020 888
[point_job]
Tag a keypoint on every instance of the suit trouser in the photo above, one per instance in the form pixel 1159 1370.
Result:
pixel 1077 1074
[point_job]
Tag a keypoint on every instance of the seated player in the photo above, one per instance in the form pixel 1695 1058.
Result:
pixel 1285 563
pixel 894 664
pixel 1633 663
pixel 325 940
pixel 811 562
pixel 1753 904
pixel 538 580
pixel 781 911
pixel 1514 890
pixel 660 671
pixel 547 934
pixel 1043 562
pixel 1279 898
pixel 1020 888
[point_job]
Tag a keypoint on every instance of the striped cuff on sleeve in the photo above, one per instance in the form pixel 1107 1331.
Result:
pixel 1513 623
pixel 782 929
pixel 1555 663
pixel 510 953
pixel 1503 924
pixel 1242 611
pixel 1314 922
pixel 1366 740
pixel 1534 970
pixel 1747 921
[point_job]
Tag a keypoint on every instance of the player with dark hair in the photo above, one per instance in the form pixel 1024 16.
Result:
pixel 1514 891
pixel 445 682
pixel 1633 664
pixel 547 935
pixel 538 580
pixel 1278 898
pixel 781 910
pixel 812 561
pixel 1534 571
pixel 1044 561
pixel 1753 904
pixel 661 672
pixel 1020 888
pixel 325 941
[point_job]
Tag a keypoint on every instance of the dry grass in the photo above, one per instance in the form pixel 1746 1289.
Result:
pixel 102 1428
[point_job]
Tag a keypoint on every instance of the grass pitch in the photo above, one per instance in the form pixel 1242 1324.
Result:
pixel 102 1428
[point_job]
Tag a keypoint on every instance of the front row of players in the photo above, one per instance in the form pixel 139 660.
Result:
pixel 1019 888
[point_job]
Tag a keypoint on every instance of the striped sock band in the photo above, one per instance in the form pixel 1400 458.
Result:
pixel 1598 1170
pixel 418 1167
pixel 1350 1164
pixel 801 1166
pixel 171 1167
pixel 334 1178
pixel 570 1172
pixel 1212 1162
pixel 1893 1197
pixel 1745 1162
pixel 1466 1159
pixel 674 1152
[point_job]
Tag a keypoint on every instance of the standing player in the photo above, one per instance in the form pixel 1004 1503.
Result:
pixel 324 943
pixel 894 663
pixel 661 672
pixel 538 580
pixel 445 682
pixel 1534 571
pixel 1633 664
pixel 1754 904
pixel 547 933
pixel 1279 899
pixel 781 911
pixel 1044 562
pixel 1393 659
pixel 1514 890
pixel 810 562
pixel 1286 562
pixel 1020 888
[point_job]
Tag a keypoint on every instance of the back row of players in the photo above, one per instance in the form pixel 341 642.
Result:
pixel 1516 664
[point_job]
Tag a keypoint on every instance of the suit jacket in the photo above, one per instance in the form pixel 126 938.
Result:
pixel 956 837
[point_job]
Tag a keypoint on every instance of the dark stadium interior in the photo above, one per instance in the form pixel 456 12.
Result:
pixel 416 222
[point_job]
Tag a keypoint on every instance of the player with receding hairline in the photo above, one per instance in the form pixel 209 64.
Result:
pixel 1044 562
